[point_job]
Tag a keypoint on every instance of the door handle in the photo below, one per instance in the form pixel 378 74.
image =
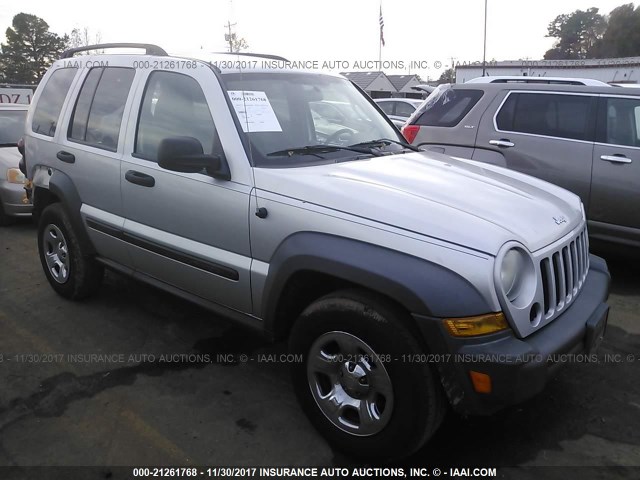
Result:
pixel 617 158
pixel 140 178
pixel 66 157
pixel 503 142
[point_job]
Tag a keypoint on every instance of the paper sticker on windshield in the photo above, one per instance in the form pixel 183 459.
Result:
pixel 254 111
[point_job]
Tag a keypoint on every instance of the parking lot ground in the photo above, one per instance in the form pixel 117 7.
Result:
pixel 60 406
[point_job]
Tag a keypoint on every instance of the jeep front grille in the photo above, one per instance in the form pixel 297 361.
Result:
pixel 563 273
pixel 560 271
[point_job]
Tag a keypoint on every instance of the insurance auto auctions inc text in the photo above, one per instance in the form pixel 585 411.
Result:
pixel 373 472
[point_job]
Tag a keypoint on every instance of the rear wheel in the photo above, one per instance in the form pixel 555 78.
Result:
pixel 353 383
pixel 69 269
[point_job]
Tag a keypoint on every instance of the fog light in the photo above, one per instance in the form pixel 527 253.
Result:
pixel 479 325
pixel 481 382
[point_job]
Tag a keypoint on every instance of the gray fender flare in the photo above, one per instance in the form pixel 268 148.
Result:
pixel 421 286
pixel 61 185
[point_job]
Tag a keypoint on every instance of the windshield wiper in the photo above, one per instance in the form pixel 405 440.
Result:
pixel 316 149
pixel 386 141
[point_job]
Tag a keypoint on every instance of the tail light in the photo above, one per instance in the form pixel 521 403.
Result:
pixel 410 132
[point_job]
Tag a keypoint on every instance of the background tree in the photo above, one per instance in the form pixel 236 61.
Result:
pixel 235 44
pixel 239 44
pixel 622 37
pixel 577 33
pixel 29 50
pixel 83 38
pixel 448 76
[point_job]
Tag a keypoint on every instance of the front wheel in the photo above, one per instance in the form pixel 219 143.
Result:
pixel 353 383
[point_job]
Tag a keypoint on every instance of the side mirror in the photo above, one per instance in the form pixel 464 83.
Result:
pixel 186 155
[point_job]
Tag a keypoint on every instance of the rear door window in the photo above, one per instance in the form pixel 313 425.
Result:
pixel 446 107
pixel 97 116
pixel 47 112
pixel 549 114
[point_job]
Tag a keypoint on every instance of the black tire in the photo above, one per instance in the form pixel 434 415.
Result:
pixel 5 219
pixel 83 274
pixel 419 403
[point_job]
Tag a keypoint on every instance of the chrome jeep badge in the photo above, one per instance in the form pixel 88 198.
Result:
pixel 560 219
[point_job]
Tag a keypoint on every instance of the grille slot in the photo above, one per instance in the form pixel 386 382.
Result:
pixel 563 272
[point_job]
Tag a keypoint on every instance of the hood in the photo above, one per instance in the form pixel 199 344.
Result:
pixel 455 200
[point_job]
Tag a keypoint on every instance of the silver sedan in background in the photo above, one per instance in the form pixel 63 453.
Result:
pixel 12 193
pixel 398 109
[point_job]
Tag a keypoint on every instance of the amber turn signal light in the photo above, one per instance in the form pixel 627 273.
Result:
pixel 478 325
pixel 481 381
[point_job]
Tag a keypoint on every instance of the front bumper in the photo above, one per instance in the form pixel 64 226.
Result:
pixel 519 367
pixel 11 195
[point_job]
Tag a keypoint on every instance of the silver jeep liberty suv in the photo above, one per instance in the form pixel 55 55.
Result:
pixel 408 281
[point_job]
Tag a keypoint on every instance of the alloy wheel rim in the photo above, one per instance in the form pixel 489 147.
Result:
pixel 56 253
pixel 349 383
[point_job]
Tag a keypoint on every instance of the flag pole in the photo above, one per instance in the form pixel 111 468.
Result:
pixel 484 50
pixel 380 37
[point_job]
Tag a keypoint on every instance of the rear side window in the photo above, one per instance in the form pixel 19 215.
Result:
pixel 174 105
pixel 97 116
pixel 47 112
pixel 548 114
pixel 447 107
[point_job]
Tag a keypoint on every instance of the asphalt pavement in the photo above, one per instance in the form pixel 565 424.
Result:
pixel 135 376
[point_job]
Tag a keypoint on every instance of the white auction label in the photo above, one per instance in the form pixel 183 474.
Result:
pixel 254 111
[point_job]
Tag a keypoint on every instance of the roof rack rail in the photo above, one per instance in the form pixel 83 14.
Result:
pixel 259 55
pixel 149 49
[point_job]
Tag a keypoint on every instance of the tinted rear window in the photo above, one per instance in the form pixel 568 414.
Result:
pixel 45 117
pixel 446 107
pixel 549 114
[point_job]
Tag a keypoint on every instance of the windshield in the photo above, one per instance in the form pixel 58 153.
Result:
pixel 282 113
pixel 11 126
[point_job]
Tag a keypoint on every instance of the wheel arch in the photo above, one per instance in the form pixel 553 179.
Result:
pixel 308 265
pixel 61 189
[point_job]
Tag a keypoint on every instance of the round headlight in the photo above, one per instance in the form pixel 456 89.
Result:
pixel 517 276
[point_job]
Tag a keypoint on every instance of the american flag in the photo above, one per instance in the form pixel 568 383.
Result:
pixel 381 27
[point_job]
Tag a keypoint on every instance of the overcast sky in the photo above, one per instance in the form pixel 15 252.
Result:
pixel 344 30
